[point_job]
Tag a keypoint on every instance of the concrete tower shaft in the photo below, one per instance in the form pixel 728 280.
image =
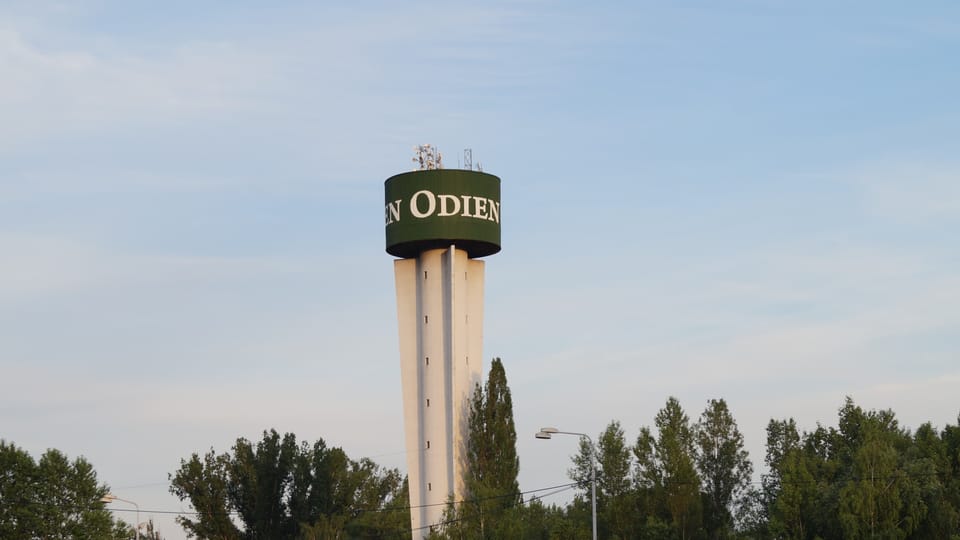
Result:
pixel 440 320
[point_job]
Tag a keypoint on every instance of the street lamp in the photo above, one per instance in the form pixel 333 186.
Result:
pixel 110 497
pixel 547 433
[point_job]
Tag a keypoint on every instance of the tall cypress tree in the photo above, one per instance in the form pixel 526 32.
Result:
pixel 492 463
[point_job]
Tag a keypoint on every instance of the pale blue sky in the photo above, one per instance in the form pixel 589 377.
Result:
pixel 750 200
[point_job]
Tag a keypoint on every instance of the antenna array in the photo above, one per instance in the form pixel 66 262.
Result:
pixel 427 157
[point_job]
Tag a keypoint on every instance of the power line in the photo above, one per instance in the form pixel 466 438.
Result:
pixel 553 490
pixel 473 500
pixel 366 510
pixel 563 487
pixel 570 485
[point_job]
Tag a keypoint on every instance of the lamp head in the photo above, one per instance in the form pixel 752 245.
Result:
pixel 542 435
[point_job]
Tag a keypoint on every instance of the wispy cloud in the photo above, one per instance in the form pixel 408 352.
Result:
pixel 912 192
pixel 41 265
pixel 84 91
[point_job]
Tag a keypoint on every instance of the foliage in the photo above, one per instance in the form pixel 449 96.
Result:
pixel 492 462
pixel 52 498
pixel 666 465
pixel 493 493
pixel 279 489
pixel 724 467
pixel 148 531
pixel 615 496
pixel 865 478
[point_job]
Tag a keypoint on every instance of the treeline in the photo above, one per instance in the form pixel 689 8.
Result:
pixel 867 478
pixel 677 479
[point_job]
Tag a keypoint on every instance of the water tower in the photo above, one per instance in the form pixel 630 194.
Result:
pixel 439 222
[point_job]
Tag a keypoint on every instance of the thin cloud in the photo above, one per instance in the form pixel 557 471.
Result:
pixel 85 91
pixel 912 192
pixel 36 264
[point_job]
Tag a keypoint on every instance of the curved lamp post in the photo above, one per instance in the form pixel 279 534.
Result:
pixel 110 497
pixel 547 433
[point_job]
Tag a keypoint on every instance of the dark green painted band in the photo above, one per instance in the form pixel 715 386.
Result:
pixel 435 208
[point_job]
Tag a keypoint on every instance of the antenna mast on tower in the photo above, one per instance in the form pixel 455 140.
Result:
pixel 427 157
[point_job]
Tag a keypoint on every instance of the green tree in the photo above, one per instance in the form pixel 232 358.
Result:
pixel 492 437
pixel 206 484
pixel 53 498
pixel 879 499
pixel 667 466
pixel 614 482
pixel 650 490
pixel 752 519
pixel 782 438
pixel 492 463
pixel 279 489
pixel 148 531
pixel 374 499
pixel 870 502
pixel 791 513
pixel 724 466
pixel 615 501
pixel 938 458
pixel 867 478
pixel 951 474
pixel 541 522
pixel 926 464
pixel 260 480
pixel 786 520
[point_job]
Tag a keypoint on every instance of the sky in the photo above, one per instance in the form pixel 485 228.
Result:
pixel 750 200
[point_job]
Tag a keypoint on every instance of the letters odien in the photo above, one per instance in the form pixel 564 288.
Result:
pixel 425 203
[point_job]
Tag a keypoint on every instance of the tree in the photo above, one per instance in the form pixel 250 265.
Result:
pixel 260 480
pixel 614 461
pixel 52 498
pixel 149 532
pixel 666 464
pixel 206 484
pixel 724 466
pixel 650 489
pixel 279 489
pixel 867 478
pixel 935 460
pixel 879 499
pixel 492 463
pixel 782 438
pixel 791 514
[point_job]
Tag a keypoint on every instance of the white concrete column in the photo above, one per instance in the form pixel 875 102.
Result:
pixel 440 321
